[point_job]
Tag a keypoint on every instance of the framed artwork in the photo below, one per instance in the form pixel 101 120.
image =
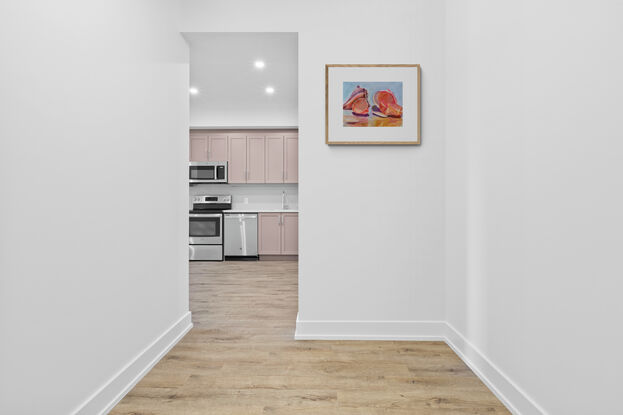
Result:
pixel 372 104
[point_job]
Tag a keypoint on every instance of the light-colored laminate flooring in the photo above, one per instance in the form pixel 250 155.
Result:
pixel 241 358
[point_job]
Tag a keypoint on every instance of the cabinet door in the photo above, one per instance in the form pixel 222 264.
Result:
pixel 290 233
pixel 291 158
pixel 255 159
pixel 198 147
pixel 274 159
pixel 217 147
pixel 237 167
pixel 269 233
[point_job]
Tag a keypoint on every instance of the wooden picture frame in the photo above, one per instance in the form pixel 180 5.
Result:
pixel 403 130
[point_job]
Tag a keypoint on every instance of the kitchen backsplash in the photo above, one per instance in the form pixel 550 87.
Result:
pixel 267 196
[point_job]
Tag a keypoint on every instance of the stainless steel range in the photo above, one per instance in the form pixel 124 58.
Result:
pixel 205 236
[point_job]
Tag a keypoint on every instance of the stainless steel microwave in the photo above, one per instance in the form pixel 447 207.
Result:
pixel 207 172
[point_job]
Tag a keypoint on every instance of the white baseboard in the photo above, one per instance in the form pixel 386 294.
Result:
pixel 106 397
pixel 369 330
pixel 511 395
pixel 508 392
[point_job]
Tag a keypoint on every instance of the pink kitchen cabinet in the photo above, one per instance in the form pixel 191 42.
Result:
pixel 289 233
pixel 255 159
pixel 198 147
pixel 269 234
pixel 291 158
pixel 254 156
pixel 237 166
pixel 278 234
pixel 217 147
pixel 274 159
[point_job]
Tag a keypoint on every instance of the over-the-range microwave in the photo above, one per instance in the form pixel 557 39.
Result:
pixel 207 172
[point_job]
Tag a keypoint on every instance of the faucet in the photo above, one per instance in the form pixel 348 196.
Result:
pixel 284 200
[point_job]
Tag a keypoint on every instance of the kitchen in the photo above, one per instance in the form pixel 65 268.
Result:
pixel 243 144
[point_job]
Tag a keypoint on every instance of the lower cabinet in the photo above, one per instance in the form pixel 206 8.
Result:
pixel 278 234
pixel 289 233
pixel 269 234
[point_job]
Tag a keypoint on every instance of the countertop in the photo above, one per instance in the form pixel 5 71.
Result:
pixel 258 209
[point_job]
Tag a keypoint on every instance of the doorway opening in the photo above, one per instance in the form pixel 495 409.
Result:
pixel 243 183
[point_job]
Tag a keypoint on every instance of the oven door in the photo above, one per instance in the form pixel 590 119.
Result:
pixel 205 229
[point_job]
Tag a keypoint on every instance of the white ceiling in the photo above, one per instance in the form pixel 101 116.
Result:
pixel 231 89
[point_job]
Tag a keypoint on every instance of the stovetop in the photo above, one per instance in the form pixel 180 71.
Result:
pixel 210 203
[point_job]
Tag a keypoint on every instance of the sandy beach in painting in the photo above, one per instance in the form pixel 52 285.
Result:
pixel 351 120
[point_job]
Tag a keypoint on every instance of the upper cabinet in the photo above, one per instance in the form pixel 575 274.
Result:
pixel 217 147
pixel 282 158
pixel 291 158
pixel 274 159
pixel 254 156
pixel 255 159
pixel 237 167
pixel 198 147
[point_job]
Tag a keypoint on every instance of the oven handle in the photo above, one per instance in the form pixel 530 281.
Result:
pixel 205 215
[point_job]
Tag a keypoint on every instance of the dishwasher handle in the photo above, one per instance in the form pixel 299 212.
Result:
pixel 242 215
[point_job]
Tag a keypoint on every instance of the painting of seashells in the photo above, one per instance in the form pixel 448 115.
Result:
pixel 372 104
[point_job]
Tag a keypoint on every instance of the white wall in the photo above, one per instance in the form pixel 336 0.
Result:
pixel 371 221
pixel 93 105
pixel 533 195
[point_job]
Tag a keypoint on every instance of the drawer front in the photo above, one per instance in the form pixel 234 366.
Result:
pixel 205 252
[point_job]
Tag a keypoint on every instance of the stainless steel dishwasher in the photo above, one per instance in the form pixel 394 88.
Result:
pixel 241 235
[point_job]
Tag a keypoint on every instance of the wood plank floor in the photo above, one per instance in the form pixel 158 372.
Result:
pixel 240 358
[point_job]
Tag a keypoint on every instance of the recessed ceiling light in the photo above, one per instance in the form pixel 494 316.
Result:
pixel 193 91
pixel 270 90
pixel 259 64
